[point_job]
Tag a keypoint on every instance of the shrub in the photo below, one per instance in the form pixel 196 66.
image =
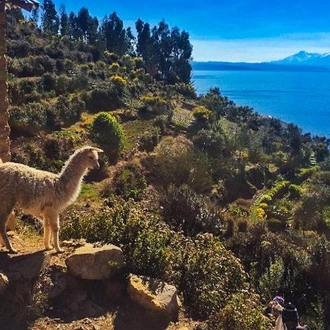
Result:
pixel 240 313
pixel 118 81
pixel 177 162
pixel 129 181
pixel 276 225
pixel 202 114
pixel 173 161
pixel 206 286
pixel 28 117
pixel 48 82
pixel 104 99
pixel 149 140
pixel 210 142
pixel 306 173
pixel 154 104
pixel 114 67
pixel 187 90
pixel 110 57
pixel 202 269
pixel 63 85
pixel 295 191
pixel 80 81
pixel 184 210
pixel 139 63
pixel 106 131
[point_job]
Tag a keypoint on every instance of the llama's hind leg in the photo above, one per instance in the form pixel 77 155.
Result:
pixel 3 232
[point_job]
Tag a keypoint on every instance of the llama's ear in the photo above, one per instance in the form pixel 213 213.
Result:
pixel 97 149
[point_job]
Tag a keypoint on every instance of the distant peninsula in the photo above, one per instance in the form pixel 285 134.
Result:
pixel 302 61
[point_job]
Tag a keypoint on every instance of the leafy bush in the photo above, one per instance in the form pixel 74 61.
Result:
pixel 149 140
pixel 210 142
pixel 48 82
pixel 104 99
pixel 118 81
pixel 203 270
pixel 154 104
pixel 276 225
pixel 187 90
pixel 114 67
pixel 106 131
pixel 240 313
pixel 206 287
pixel 176 162
pixel 28 117
pixel 184 210
pixel 202 114
pixel 129 181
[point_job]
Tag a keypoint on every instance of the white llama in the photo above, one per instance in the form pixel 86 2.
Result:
pixel 43 193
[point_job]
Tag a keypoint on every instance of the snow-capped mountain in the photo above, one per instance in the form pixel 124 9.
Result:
pixel 305 58
pixel 302 61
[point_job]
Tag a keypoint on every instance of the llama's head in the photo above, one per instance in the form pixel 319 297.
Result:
pixel 92 157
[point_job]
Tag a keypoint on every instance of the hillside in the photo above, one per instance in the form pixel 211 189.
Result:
pixel 230 207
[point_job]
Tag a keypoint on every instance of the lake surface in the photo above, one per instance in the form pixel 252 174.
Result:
pixel 302 98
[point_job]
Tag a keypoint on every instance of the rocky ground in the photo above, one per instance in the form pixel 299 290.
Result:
pixel 119 313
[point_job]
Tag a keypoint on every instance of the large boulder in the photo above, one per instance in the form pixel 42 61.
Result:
pixel 95 263
pixel 154 295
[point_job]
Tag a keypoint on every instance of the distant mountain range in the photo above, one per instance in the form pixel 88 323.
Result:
pixel 302 61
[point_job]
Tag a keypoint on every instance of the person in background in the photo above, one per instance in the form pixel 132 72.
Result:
pixel 275 306
pixel 290 319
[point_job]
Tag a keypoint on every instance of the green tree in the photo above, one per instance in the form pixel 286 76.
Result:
pixel 146 47
pixel 108 134
pixel 86 26
pixel 50 19
pixel 64 21
pixel 181 55
pixel 117 38
pixel 215 102
pixel 167 52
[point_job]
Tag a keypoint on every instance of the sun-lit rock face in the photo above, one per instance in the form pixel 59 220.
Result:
pixel 95 263
pixel 154 295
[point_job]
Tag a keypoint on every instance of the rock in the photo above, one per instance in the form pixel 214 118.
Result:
pixel 58 285
pixel 154 295
pixel 90 309
pixel 95 263
pixel 29 266
pixel 3 283
pixel 74 242
pixel 115 289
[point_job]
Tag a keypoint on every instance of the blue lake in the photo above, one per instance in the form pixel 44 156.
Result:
pixel 302 98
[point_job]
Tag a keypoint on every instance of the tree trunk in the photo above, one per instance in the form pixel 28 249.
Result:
pixel 4 127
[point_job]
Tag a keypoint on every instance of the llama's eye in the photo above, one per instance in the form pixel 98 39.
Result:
pixel 91 157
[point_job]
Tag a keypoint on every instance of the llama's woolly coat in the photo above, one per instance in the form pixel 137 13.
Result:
pixel 35 190
pixel 43 193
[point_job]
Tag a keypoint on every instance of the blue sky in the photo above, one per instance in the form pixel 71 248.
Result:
pixel 229 30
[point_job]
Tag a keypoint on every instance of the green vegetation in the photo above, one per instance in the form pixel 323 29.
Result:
pixel 108 134
pixel 230 206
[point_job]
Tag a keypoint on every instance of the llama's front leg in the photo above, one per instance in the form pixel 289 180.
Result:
pixel 47 233
pixel 55 226
pixel 3 234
